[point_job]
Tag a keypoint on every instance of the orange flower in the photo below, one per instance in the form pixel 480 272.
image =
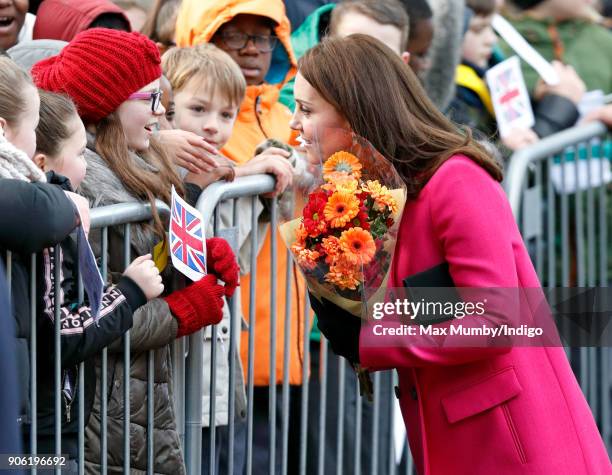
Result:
pixel 307 258
pixel 301 233
pixel 331 246
pixel 342 182
pixel 345 277
pixel 341 162
pixel 358 246
pixel 381 195
pixel 341 208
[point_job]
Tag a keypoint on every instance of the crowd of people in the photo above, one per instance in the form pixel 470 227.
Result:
pixel 104 103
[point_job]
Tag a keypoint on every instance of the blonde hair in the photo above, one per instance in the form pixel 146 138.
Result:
pixel 13 81
pixel 208 64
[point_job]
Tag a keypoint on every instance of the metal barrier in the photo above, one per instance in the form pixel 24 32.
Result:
pixel 560 192
pixel 565 230
pixel 345 384
pixel 101 219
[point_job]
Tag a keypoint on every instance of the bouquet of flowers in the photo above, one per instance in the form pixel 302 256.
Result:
pixel 344 237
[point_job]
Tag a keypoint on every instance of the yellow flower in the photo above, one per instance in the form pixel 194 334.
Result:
pixel 358 246
pixel 345 277
pixel 341 162
pixel 341 208
pixel 381 195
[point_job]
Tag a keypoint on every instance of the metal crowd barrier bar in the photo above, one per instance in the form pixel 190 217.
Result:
pixel 207 204
pixel 101 218
pixel 560 192
pixel 344 397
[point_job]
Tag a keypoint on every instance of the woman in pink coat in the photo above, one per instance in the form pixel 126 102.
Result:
pixel 496 410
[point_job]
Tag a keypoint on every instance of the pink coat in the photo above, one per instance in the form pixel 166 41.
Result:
pixel 482 411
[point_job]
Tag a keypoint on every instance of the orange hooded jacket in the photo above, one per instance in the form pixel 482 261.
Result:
pixel 261 116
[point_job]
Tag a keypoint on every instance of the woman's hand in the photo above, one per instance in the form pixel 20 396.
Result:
pixel 570 85
pixel 189 150
pixel 520 138
pixel 274 161
pixel 602 114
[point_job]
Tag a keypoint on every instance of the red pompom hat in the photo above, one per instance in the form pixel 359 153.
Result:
pixel 99 69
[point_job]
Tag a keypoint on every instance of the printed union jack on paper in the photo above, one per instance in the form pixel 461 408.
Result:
pixel 510 97
pixel 187 243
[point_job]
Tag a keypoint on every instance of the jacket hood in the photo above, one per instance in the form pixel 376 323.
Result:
pixel 64 19
pixel 445 51
pixel 199 20
pixel 311 32
pixel 28 53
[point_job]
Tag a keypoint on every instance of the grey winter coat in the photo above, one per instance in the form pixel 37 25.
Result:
pixel 154 329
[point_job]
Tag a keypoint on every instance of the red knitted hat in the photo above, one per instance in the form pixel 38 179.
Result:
pixel 99 69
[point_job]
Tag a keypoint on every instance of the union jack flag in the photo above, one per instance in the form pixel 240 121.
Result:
pixel 509 93
pixel 187 246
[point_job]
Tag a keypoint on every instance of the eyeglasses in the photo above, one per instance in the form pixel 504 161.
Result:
pixel 154 97
pixel 237 41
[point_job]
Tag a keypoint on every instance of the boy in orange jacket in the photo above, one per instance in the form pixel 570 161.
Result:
pixel 256 34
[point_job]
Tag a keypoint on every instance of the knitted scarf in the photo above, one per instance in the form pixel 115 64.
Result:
pixel 15 164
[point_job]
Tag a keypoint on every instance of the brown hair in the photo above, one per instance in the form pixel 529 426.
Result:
pixel 13 81
pixel 385 12
pixel 210 65
pixel 111 145
pixel 160 24
pixel 56 111
pixel 384 102
pixel 481 7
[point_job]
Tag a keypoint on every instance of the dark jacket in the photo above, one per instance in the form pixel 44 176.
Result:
pixel 472 105
pixel 33 216
pixel 10 442
pixel 81 338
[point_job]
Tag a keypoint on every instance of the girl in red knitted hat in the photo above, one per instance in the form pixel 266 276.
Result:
pixel 35 218
pixel 114 79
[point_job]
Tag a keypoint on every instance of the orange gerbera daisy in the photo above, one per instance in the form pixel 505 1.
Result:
pixel 358 246
pixel 345 277
pixel 342 162
pixel 381 195
pixel 341 208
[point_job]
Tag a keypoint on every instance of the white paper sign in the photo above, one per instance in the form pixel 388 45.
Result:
pixel 510 98
pixel 525 50
pixel 187 240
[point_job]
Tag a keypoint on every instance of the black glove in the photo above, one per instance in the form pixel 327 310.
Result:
pixel 339 326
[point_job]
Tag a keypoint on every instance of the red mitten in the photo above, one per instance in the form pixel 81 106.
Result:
pixel 222 262
pixel 197 305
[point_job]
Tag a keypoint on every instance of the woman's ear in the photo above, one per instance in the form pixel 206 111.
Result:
pixel 40 160
pixel 405 57
pixel 2 126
